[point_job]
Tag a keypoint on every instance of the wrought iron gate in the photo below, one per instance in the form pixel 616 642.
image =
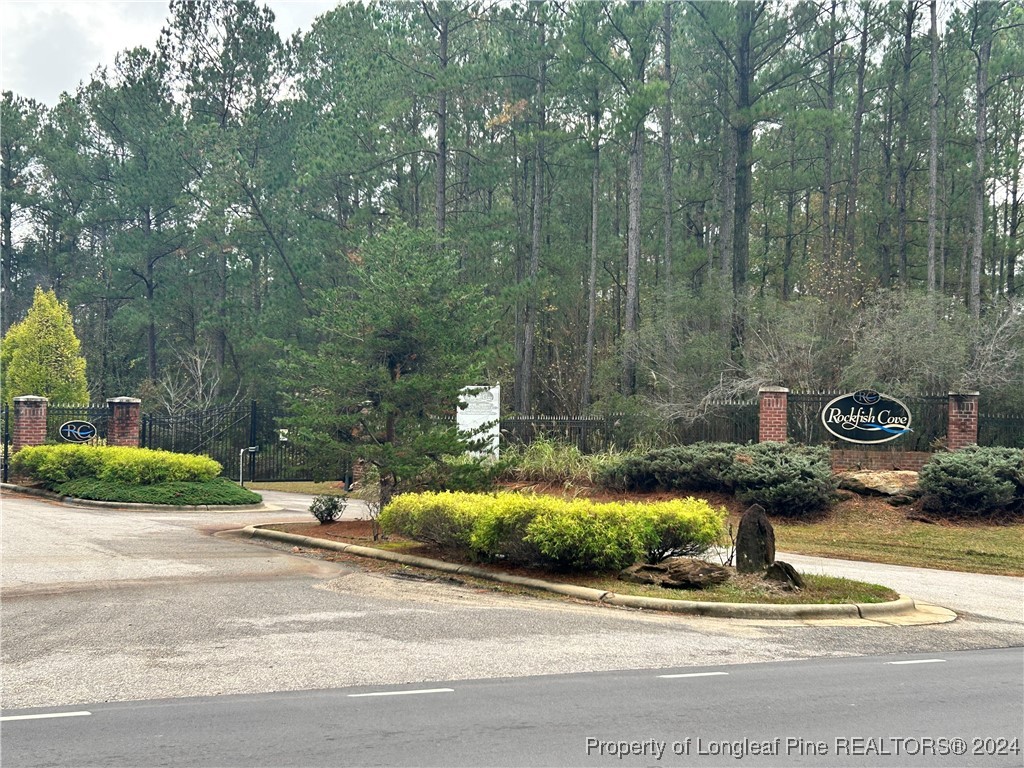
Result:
pixel 245 439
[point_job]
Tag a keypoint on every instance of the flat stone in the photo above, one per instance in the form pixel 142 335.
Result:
pixel 896 482
pixel 677 573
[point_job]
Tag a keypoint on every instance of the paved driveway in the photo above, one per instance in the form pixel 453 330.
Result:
pixel 105 605
pixel 975 595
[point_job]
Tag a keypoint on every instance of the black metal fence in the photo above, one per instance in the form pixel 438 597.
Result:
pixel 928 423
pixel 1004 430
pixel 732 422
pixel 247 440
pixel 58 415
pixel 253 442
pixel 726 422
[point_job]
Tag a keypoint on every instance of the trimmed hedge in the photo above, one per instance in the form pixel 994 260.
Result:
pixel 974 481
pixel 219 491
pixel 54 464
pixel 578 535
pixel 785 478
pixel 572 535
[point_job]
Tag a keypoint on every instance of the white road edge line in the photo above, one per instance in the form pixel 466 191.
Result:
pixel 918 661
pixel 694 674
pixel 47 716
pixel 401 693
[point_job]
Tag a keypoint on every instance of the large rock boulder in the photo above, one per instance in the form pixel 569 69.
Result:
pixel 755 541
pixel 880 483
pixel 677 573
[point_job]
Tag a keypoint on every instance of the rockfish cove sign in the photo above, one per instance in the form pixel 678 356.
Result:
pixel 866 417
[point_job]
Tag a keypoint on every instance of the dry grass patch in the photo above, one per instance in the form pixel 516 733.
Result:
pixel 869 529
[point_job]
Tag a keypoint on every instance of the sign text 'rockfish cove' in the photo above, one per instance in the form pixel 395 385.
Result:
pixel 866 417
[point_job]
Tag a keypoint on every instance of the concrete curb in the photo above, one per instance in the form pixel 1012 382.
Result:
pixel 902 606
pixel 115 505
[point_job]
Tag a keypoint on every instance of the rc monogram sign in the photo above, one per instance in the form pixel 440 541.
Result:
pixel 866 417
pixel 77 431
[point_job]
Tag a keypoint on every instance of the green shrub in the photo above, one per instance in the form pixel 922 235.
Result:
pixel 146 467
pixel 500 528
pixel 626 474
pixel 461 473
pixel 443 519
pixel 696 467
pixel 786 479
pixel 52 464
pixel 219 491
pixel 974 481
pixel 327 509
pixel 680 527
pixel 576 535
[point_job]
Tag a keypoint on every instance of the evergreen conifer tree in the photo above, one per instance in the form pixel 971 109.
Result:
pixel 41 354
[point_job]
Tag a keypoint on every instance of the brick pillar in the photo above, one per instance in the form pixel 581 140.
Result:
pixel 962 420
pixel 772 424
pixel 124 421
pixel 29 422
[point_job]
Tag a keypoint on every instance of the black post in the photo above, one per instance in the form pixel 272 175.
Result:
pixel 252 441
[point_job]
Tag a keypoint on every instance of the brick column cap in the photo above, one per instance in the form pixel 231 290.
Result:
pixel 965 394
pixel 773 389
pixel 123 400
pixel 31 399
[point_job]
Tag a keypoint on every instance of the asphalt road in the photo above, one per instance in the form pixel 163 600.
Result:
pixel 109 606
pixel 957 709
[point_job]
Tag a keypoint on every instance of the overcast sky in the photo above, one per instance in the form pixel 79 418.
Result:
pixel 47 47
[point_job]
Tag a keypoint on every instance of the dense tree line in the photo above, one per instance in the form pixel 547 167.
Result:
pixel 668 200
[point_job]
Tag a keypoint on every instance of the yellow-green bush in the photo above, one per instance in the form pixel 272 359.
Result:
pixel 56 463
pixel 444 519
pixel 500 528
pixel 52 464
pixel 679 527
pixel 578 534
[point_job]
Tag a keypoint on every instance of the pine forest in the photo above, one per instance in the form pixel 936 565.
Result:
pixel 603 205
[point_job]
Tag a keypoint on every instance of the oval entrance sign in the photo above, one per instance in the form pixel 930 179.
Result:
pixel 77 431
pixel 866 417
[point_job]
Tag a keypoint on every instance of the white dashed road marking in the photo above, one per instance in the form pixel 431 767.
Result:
pixel 401 693
pixel 47 716
pixel 694 674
